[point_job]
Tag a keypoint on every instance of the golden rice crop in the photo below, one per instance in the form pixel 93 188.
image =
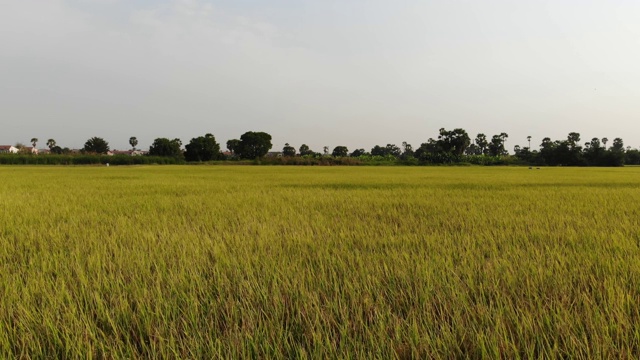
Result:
pixel 319 262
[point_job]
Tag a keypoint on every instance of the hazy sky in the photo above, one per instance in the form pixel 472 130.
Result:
pixel 330 72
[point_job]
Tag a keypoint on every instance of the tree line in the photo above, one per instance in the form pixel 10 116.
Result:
pixel 449 147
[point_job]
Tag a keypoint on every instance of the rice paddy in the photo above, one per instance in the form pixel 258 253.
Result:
pixel 319 262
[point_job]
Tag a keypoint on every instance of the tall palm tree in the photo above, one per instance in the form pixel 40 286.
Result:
pixel 529 139
pixel 34 141
pixel 51 143
pixel 133 141
pixel 604 141
pixel 504 137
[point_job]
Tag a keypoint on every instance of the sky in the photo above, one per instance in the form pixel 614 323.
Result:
pixel 323 73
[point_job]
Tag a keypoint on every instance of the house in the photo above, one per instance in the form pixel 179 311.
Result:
pixel 127 152
pixel 8 149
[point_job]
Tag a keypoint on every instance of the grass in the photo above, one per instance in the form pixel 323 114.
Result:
pixel 322 262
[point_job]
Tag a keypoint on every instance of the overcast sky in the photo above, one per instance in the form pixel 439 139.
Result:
pixel 330 72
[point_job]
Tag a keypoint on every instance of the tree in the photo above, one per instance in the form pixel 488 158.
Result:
pixel 96 145
pixel 340 151
pixel 288 150
pixel 407 150
pixel 517 149
pixel 594 153
pixel 426 149
pixel 496 146
pixel 632 157
pixel 529 140
pixel 482 143
pixel 605 141
pixel 574 139
pixel 304 150
pixel 51 143
pixel 34 141
pixel 378 151
pixel 203 148
pixel 390 149
pixel 22 150
pixel 254 145
pixel 166 147
pixel 568 152
pixel 233 145
pixel 504 137
pixel 455 141
pixel 615 156
pixel 325 149
pixel 524 154
pixel 473 149
pixel 358 153
pixel 133 141
pixel 56 150
pixel 618 145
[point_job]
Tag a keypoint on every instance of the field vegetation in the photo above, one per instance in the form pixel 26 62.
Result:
pixel 85 159
pixel 322 262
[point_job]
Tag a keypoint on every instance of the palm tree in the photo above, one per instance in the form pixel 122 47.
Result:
pixel 529 139
pixel 133 141
pixel 51 143
pixel 326 150
pixel 604 141
pixel 34 141
pixel 504 137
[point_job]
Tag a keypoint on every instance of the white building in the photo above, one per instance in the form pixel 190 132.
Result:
pixel 8 149
pixel 32 150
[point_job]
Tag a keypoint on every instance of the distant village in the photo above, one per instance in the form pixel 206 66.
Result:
pixel 11 149
pixel 451 147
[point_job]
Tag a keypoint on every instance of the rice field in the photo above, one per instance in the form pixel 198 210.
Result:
pixel 319 262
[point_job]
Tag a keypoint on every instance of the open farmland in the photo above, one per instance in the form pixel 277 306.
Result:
pixel 321 262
